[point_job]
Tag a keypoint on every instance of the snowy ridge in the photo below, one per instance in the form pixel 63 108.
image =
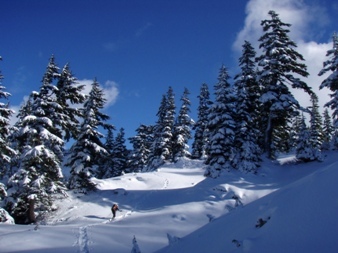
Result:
pixel 286 208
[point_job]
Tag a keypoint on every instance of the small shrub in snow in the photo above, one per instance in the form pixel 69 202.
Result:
pixel 135 248
pixel 172 239
pixel 5 217
pixel 237 243
pixel 260 223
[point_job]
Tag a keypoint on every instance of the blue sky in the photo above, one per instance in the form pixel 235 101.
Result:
pixel 137 49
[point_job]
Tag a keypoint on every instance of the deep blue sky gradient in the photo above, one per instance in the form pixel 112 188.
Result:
pixel 144 46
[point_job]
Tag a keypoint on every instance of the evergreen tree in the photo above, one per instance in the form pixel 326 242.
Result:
pixel 201 136
pixel 6 152
pixel 120 155
pixel 19 141
pixel 308 147
pixel 156 159
pixel 168 133
pixel 281 137
pixel 46 102
pixel 141 147
pixel 328 130
pixel 106 164
pixel 331 82
pixel 279 63
pixel 182 129
pixel 68 95
pixel 316 128
pixel 304 151
pixel 37 180
pixel 294 131
pixel 246 134
pixel 222 127
pixel 88 149
pixel 162 148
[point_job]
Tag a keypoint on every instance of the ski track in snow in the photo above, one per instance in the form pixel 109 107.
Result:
pixel 83 240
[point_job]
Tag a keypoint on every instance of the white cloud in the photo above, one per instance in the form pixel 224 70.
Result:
pixel 305 20
pixel 110 90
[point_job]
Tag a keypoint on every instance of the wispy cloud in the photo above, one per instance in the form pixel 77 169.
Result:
pixel 143 29
pixel 110 46
pixel 20 77
pixel 301 16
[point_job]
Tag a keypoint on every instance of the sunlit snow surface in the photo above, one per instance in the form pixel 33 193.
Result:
pixel 285 208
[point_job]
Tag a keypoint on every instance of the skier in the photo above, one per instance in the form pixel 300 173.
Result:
pixel 114 208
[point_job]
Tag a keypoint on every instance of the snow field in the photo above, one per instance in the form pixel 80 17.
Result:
pixel 285 208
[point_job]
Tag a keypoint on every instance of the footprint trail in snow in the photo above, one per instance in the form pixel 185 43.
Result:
pixel 83 240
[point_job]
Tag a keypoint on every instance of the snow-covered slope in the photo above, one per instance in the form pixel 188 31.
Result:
pixel 176 209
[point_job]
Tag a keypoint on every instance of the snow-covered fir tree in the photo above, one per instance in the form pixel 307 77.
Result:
pixel 88 149
pixel 281 136
pixel 248 152
pixel 307 146
pixel 18 142
pixel 69 95
pixel 328 130
pixel 106 164
pixel 141 147
pixel 182 129
pixel 221 125
pixel 162 148
pixel 46 101
pixel 201 136
pixel 316 127
pixel 6 151
pixel 304 152
pixel 38 178
pixel 155 157
pixel 331 82
pixel 295 127
pixel 279 63
pixel 169 120
pixel 120 155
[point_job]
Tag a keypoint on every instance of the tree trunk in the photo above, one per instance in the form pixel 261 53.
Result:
pixel 268 137
pixel 31 214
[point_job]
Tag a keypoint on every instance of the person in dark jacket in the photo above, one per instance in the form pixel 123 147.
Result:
pixel 114 208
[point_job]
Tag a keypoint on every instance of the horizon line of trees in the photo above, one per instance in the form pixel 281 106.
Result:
pixel 256 114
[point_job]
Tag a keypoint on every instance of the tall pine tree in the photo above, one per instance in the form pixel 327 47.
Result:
pixel 120 155
pixel 331 82
pixel 141 147
pixel 38 178
pixel 246 134
pixel 279 63
pixel 316 128
pixel 88 149
pixel 6 152
pixel 201 136
pixel 222 127
pixel 328 130
pixel 69 95
pixel 162 148
pixel 182 129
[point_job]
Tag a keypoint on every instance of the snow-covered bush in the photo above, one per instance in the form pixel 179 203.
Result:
pixel 5 217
